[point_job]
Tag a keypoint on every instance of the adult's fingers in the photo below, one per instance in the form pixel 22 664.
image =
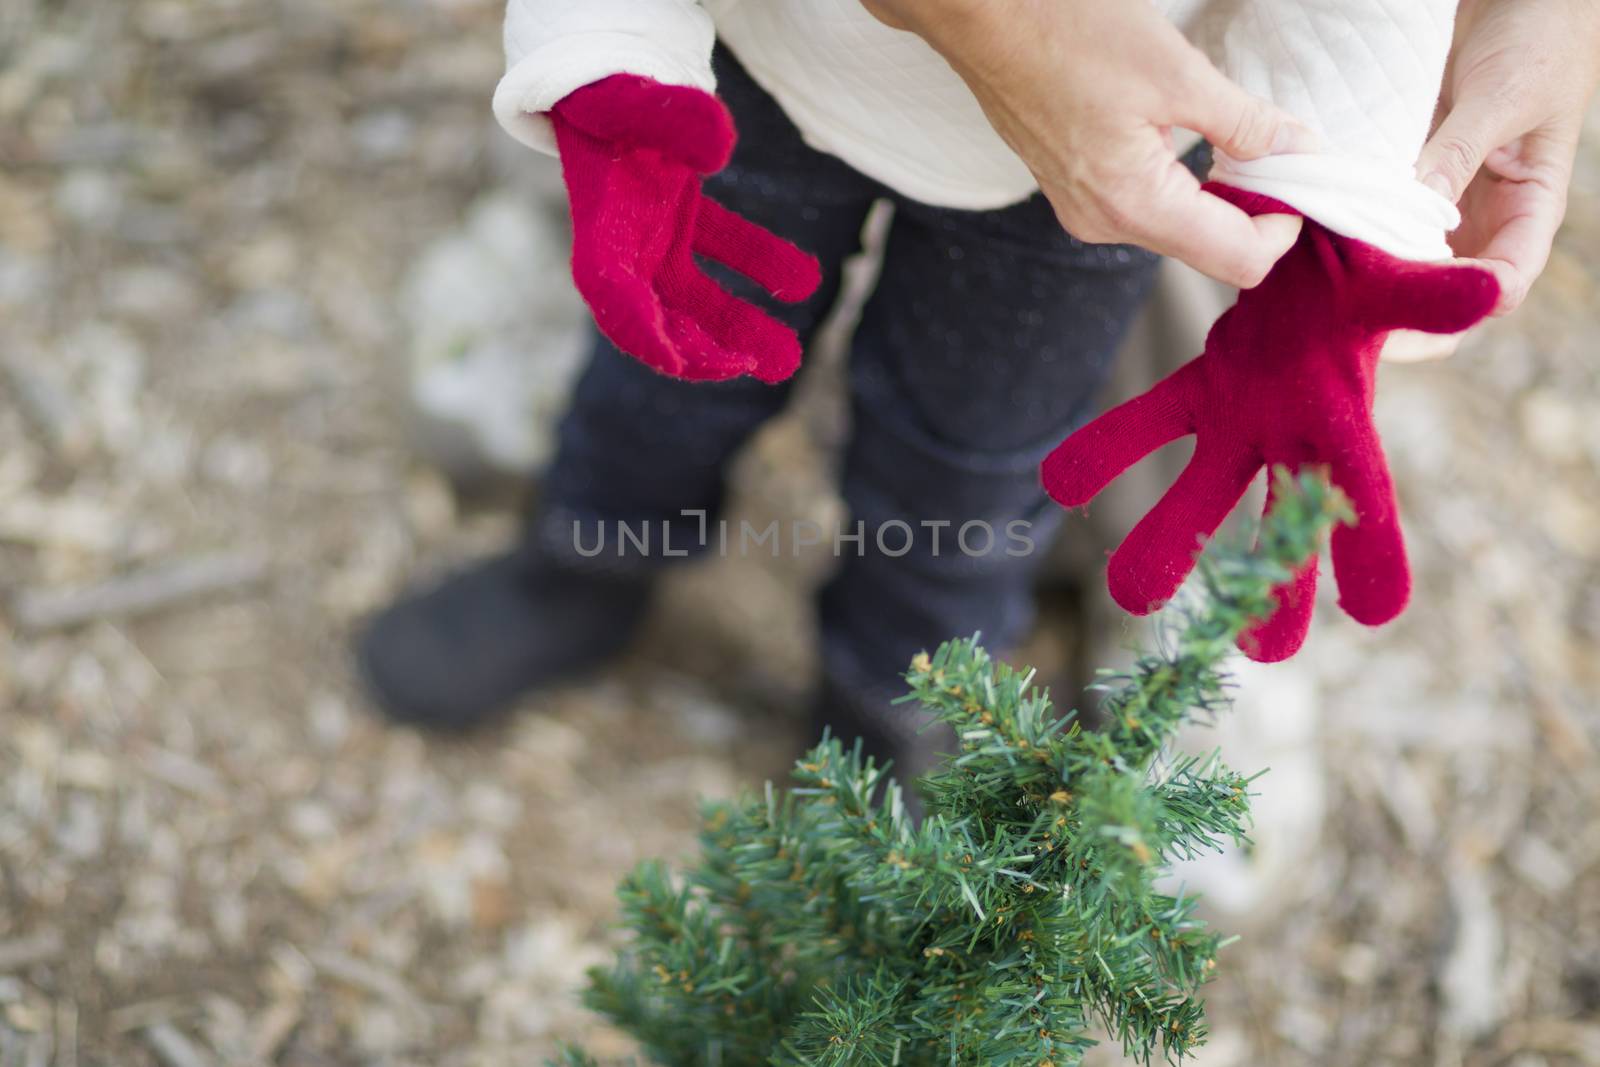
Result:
pixel 1520 250
pixel 1096 454
pixel 1515 281
pixel 1241 125
pixel 1479 123
pixel 1179 219
pixel 1182 220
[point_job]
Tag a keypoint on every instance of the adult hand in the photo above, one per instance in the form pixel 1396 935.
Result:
pixel 1519 83
pixel 1087 93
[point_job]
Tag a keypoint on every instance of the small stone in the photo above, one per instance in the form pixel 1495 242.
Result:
pixel 86 769
pixel 237 462
pixel 230 918
pixel 380 1031
pixel 81 830
pixel 92 199
pixel 150 294
pixel 311 821
pixel 1539 863
pixel 696 717
pixel 23 279
pixel 430 505
pixel 1571 515
pixel 328 721
pixel 384 136
pixel 1554 426
pixel 269 260
pixel 492 806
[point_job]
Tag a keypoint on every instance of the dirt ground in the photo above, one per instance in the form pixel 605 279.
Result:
pixel 211 852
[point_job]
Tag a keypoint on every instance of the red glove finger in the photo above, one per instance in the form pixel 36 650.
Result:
pixel 759 254
pixel 1282 634
pixel 1434 298
pixel 630 317
pixel 1094 456
pixel 1160 552
pixel 700 359
pixel 728 332
pixel 1369 558
pixel 682 123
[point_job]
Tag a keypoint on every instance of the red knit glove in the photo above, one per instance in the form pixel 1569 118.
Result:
pixel 634 152
pixel 1286 378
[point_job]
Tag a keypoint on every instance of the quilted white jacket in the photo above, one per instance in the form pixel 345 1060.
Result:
pixel 1364 73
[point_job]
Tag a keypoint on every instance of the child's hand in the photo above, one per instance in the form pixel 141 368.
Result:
pixel 634 152
pixel 1519 83
pixel 1087 93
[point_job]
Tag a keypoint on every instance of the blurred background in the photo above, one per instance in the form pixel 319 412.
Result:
pixel 281 314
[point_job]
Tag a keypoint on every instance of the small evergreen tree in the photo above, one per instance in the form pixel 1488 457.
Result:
pixel 823 927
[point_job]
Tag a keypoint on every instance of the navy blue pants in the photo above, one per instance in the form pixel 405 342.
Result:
pixel 984 344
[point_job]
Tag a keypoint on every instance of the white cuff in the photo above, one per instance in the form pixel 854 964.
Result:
pixel 1380 203
pixel 546 76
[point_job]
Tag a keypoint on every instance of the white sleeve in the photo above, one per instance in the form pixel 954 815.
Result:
pixel 556 46
pixel 1366 75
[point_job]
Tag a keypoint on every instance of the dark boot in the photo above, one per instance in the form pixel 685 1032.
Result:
pixel 456 655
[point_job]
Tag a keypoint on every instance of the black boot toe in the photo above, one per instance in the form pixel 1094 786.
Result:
pixel 456 655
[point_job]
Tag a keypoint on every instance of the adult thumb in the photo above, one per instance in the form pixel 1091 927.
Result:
pixel 1455 153
pixel 1241 125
